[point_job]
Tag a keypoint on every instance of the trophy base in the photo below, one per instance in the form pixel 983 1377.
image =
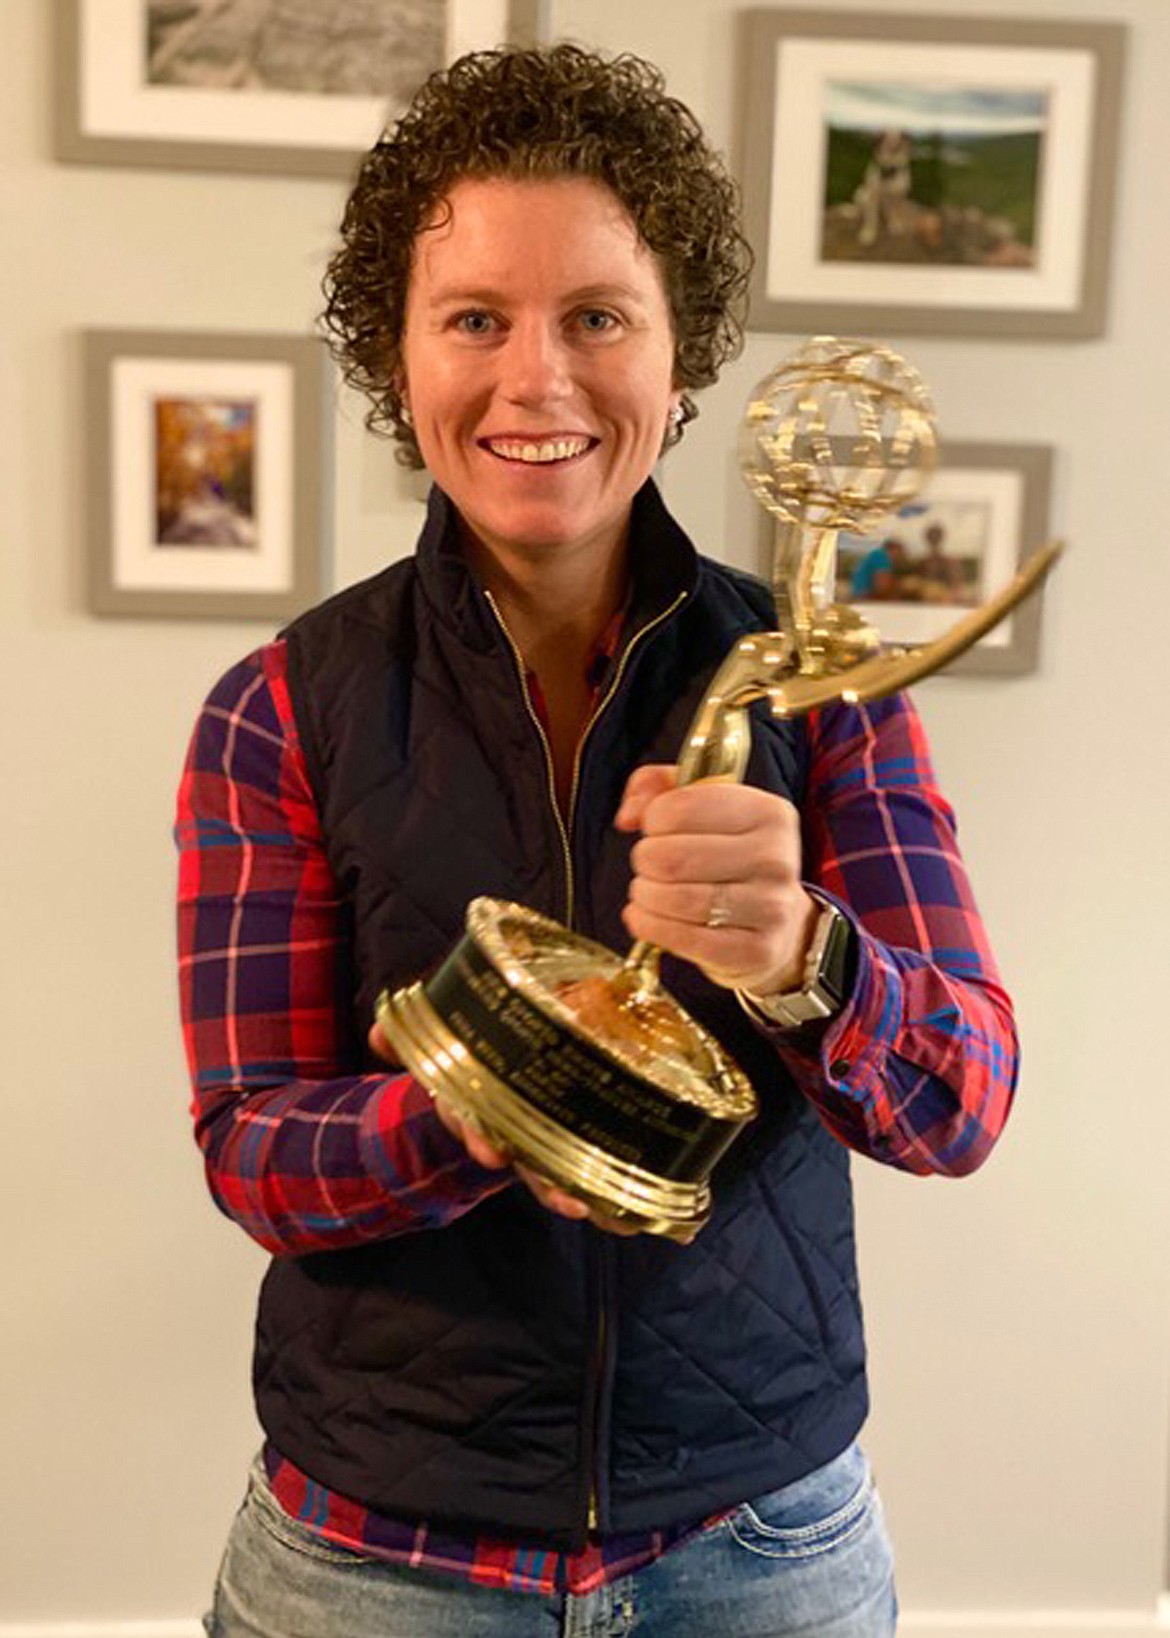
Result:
pixel 628 1194
pixel 553 1048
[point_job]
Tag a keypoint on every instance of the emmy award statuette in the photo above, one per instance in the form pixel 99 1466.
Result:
pixel 575 1059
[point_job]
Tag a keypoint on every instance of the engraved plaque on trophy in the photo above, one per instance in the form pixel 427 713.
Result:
pixel 574 1058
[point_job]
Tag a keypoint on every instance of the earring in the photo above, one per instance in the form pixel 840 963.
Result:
pixel 405 416
pixel 676 414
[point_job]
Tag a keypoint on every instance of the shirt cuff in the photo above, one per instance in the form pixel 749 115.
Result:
pixel 846 1052
pixel 420 1163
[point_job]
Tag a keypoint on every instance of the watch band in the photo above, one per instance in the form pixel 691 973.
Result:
pixel 828 977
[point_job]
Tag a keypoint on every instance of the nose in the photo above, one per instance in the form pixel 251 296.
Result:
pixel 535 368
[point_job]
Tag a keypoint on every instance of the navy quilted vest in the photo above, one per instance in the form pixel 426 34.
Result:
pixel 492 1376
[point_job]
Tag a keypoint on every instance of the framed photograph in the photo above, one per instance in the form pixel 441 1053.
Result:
pixel 983 511
pixel 293 86
pixel 918 174
pixel 206 461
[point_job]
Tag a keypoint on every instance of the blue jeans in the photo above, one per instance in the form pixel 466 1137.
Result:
pixel 812 1558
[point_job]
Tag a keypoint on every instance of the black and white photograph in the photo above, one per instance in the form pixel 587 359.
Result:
pixel 363 48
pixel 286 87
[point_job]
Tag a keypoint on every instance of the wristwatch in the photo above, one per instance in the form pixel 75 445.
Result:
pixel 829 969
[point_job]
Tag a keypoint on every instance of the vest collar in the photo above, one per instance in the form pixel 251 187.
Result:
pixel 663 562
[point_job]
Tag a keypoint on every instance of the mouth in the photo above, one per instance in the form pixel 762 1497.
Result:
pixel 551 451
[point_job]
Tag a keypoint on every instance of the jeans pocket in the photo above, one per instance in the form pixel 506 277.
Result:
pixel 815 1515
pixel 266 1514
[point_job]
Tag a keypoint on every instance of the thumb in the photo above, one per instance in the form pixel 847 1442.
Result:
pixel 643 785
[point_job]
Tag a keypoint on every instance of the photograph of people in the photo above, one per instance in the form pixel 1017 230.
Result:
pixel 486 1410
pixel 880 571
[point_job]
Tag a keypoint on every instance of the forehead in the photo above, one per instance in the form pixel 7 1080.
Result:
pixel 506 227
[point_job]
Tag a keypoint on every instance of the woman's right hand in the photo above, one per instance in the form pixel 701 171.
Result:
pixel 496 1158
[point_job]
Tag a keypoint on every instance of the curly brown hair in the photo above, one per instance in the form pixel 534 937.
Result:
pixel 538 113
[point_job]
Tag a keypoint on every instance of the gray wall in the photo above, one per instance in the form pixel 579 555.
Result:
pixel 1018 1320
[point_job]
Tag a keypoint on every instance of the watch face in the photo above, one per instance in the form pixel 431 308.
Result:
pixel 825 987
pixel 839 961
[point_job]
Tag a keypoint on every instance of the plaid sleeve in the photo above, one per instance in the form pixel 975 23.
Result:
pixel 919 1068
pixel 300 1151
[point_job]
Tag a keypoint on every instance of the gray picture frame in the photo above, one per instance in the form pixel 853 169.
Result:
pixel 1014 649
pixel 119 467
pixel 80 137
pixel 796 290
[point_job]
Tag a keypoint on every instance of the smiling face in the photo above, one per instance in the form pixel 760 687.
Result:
pixel 538 356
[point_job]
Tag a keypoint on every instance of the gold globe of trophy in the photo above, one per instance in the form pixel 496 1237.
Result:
pixel 560 1051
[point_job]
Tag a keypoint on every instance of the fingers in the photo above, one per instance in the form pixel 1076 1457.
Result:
pixel 548 1194
pixel 764 959
pixel 728 925
pixel 480 1148
pixel 712 807
pixel 654 802
pixel 379 1045
pixel 710 832
pixel 717 879
pixel 725 858
pixel 766 857
pixel 496 1157
pixel 552 1198
pixel 749 935
pixel 567 1205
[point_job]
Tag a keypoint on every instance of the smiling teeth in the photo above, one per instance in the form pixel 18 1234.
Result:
pixel 552 449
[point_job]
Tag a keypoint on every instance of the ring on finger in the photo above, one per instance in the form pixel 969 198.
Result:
pixel 719 913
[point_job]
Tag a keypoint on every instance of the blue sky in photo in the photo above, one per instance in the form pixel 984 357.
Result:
pixel 908 105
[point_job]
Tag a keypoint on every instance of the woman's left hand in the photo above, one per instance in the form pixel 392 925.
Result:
pixel 717 878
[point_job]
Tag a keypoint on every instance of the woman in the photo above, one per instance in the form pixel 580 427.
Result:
pixel 481 1413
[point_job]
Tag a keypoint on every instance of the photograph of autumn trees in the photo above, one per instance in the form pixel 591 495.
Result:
pixel 205 472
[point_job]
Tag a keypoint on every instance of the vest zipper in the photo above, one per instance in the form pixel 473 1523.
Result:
pixel 601 1341
pixel 615 683
pixel 593 1515
pixel 549 768
pixel 564 830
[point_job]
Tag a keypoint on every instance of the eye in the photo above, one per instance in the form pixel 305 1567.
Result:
pixel 596 321
pixel 475 322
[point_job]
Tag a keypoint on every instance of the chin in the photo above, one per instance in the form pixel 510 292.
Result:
pixel 536 529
